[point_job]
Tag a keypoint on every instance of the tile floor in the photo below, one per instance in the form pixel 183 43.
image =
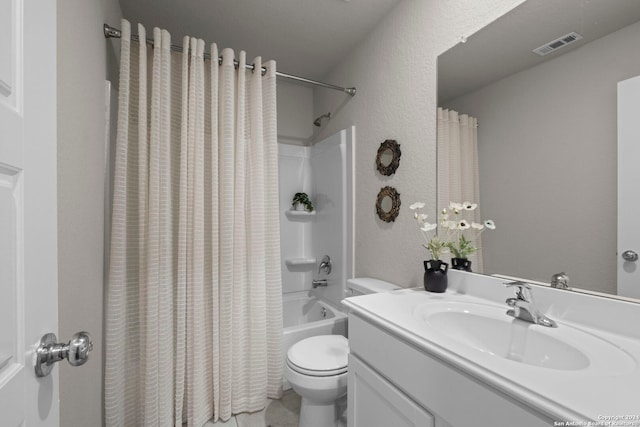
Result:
pixel 278 413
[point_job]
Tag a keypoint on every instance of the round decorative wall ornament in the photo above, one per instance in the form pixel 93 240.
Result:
pixel 388 204
pixel 388 157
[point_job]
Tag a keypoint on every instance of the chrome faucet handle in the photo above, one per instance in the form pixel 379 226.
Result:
pixel 523 291
pixel 325 265
pixel 518 283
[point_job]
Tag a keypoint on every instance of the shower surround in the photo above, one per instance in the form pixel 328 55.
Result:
pixel 325 172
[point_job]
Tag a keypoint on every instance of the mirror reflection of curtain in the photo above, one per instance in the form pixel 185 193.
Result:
pixel 458 180
pixel 194 298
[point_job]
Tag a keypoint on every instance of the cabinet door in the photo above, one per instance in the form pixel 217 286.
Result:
pixel 374 402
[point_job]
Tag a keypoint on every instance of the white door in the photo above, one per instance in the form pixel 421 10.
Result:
pixel 628 187
pixel 28 239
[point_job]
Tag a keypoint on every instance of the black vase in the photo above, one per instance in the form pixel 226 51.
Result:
pixel 435 275
pixel 461 264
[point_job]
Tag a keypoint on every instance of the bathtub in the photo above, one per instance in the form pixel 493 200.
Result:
pixel 305 316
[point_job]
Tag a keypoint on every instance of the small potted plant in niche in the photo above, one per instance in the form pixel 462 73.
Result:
pixel 301 202
pixel 435 270
pixel 462 232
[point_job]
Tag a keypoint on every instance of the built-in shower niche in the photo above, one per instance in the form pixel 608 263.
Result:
pixel 324 172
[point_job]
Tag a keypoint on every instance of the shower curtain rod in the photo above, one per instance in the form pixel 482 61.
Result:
pixel 111 32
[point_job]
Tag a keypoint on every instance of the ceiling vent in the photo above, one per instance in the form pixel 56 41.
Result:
pixel 557 43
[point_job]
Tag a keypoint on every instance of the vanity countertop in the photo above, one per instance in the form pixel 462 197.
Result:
pixel 605 388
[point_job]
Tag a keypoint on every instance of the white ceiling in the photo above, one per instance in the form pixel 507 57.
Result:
pixel 306 37
pixel 505 46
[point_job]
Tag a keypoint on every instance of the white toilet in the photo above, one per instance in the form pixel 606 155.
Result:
pixel 316 367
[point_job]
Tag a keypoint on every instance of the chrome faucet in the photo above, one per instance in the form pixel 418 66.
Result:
pixel 318 282
pixel 325 265
pixel 523 307
pixel 560 281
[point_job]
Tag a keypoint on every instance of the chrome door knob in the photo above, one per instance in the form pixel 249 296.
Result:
pixel 76 351
pixel 630 255
pixel 79 348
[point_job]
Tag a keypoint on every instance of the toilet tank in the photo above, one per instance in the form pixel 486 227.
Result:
pixel 368 285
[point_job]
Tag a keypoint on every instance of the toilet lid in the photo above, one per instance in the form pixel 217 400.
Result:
pixel 321 355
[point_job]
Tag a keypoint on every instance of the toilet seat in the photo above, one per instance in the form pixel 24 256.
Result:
pixel 314 372
pixel 319 356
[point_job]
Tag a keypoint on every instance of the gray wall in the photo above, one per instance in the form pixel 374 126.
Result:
pixel 547 149
pixel 85 61
pixel 394 70
pixel 295 113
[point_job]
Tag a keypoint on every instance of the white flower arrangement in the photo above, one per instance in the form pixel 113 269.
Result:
pixel 461 233
pixel 433 243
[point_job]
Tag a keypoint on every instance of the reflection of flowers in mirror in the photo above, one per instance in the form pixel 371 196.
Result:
pixel 461 230
pixel 433 243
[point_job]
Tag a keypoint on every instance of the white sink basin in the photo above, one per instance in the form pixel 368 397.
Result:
pixel 487 329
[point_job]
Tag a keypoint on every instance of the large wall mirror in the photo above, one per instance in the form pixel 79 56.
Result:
pixel 547 136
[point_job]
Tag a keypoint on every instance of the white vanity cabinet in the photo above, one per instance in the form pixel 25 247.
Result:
pixel 373 401
pixel 393 383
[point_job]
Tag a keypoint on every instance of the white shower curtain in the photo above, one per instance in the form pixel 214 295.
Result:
pixel 458 180
pixel 194 310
